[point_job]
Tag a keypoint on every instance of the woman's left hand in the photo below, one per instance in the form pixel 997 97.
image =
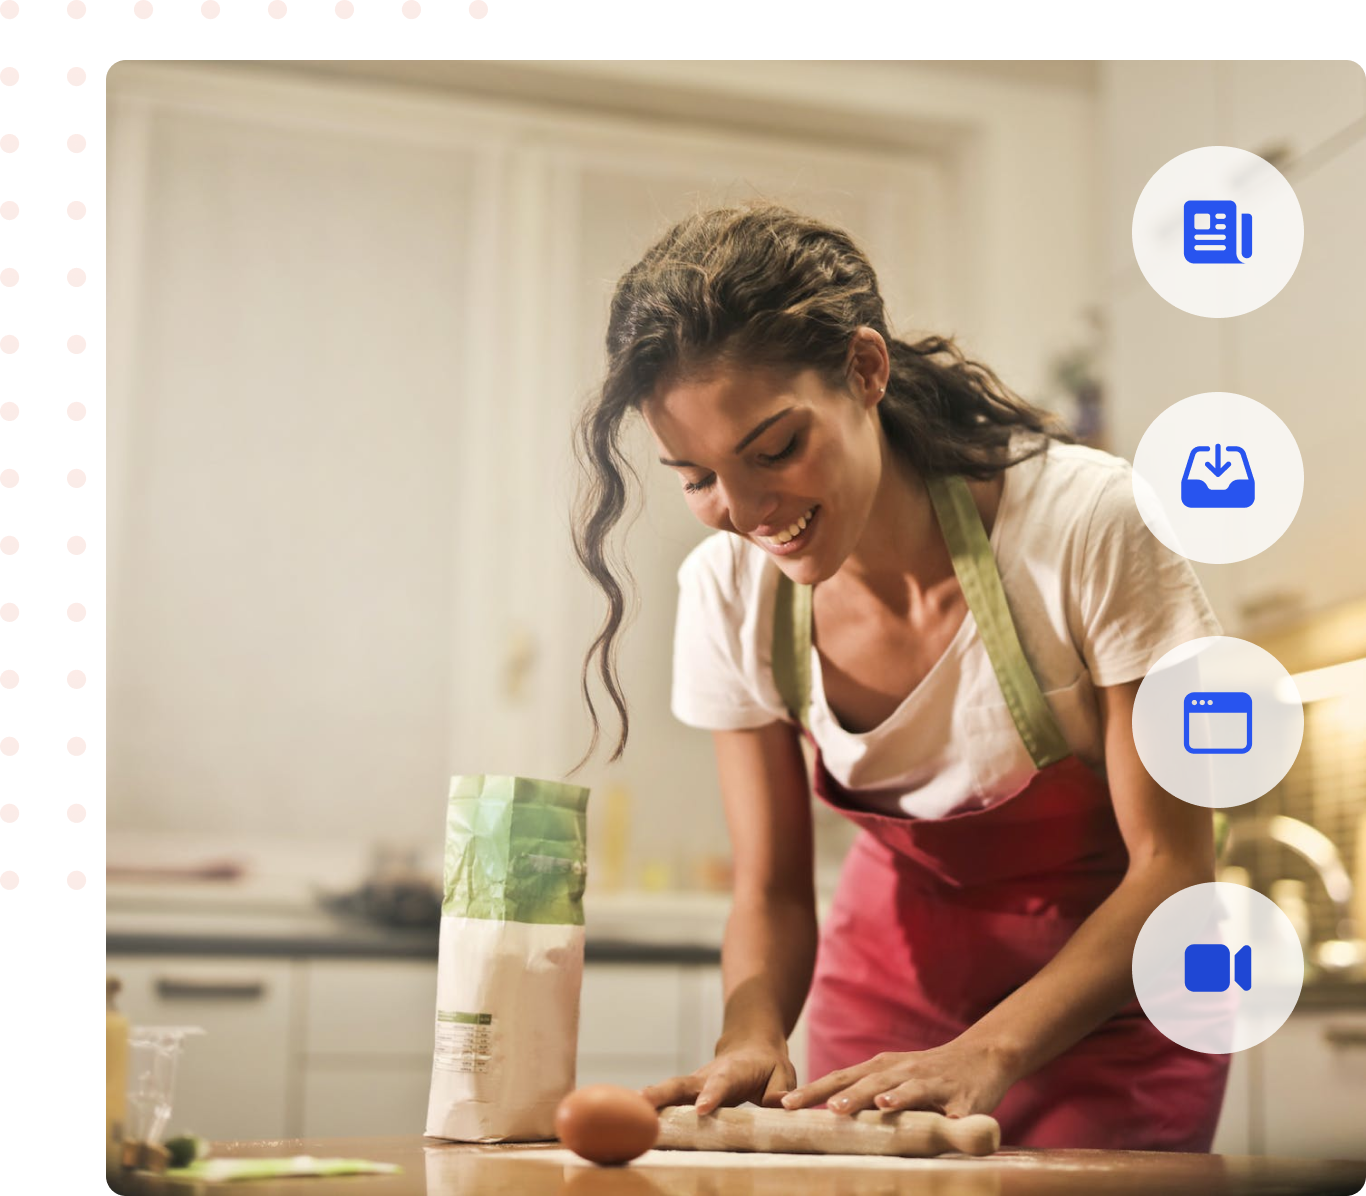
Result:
pixel 956 1079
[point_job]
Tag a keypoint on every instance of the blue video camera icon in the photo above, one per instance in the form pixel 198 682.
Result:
pixel 1207 968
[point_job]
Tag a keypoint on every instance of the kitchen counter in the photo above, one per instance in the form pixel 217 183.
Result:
pixel 1329 993
pixel 223 921
pixel 363 941
pixel 667 928
pixel 433 1168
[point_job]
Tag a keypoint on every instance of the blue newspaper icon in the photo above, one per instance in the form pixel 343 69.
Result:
pixel 1196 490
pixel 1210 228
pixel 1207 969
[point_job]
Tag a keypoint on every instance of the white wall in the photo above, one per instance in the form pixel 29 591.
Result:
pixel 353 321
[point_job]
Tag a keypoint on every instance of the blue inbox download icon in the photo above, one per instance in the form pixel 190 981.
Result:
pixel 1218 722
pixel 1210 228
pixel 1222 478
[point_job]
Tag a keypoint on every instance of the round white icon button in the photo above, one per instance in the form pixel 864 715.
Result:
pixel 1218 231
pixel 1218 477
pixel 1217 721
pixel 1218 967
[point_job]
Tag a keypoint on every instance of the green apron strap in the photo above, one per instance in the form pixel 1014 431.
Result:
pixel 977 574
pixel 792 646
pixel 975 566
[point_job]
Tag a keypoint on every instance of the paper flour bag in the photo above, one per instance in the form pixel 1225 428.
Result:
pixel 511 958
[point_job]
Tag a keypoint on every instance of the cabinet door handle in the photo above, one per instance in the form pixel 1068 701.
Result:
pixel 173 988
pixel 1345 1035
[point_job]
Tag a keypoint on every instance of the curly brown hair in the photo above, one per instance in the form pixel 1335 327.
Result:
pixel 753 286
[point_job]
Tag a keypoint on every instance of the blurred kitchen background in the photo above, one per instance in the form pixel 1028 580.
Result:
pixel 353 308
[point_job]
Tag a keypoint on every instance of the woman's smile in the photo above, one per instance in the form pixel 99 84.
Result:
pixel 785 543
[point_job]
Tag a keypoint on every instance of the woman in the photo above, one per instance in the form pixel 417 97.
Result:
pixel 918 572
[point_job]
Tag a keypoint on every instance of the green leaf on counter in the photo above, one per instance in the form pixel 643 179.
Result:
pixel 221 1170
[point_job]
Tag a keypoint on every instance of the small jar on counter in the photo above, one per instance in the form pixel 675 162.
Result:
pixel 115 1078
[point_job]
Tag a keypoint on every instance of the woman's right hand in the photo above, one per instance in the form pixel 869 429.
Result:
pixel 750 1071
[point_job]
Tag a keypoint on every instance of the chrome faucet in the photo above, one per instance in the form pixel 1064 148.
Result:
pixel 1346 951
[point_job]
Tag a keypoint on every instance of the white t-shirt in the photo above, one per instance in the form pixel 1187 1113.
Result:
pixel 1095 596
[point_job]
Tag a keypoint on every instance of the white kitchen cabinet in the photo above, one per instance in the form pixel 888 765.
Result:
pixel 1313 1087
pixel 365 1099
pixel 370 1007
pixel 366 1060
pixel 705 994
pixel 623 1071
pixel 705 1008
pixel 1234 1132
pixel 328 1047
pixel 236 1080
pixel 631 1017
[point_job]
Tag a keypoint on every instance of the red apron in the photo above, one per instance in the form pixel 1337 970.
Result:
pixel 936 920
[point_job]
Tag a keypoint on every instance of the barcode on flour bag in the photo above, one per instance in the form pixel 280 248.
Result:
pixel 510 963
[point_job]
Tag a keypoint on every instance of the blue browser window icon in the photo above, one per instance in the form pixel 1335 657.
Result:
pixel 1211 232
pixel 1218 722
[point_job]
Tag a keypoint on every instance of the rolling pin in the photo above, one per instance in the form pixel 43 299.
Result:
pixel 911 1134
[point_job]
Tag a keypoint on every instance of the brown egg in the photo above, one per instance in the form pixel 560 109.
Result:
pixel 607 1124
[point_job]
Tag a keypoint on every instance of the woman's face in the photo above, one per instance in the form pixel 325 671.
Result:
pixel 757 454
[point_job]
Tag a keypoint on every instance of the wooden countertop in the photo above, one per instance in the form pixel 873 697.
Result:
pixel 432 1168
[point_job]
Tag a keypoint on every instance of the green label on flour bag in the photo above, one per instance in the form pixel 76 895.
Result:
pixel 464 1041
pixel 515 850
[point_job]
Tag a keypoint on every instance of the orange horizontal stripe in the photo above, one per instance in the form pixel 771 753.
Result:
pixel 52 545
pixel 52 679
pixel 52 144
pixel 49 479
pixel 52 276
pixel 19 411
pixel 52 343
pixel 53 77
pixel 52 209
pixel 52 811
pixel 34 878
pixel 52 612
pixel 190 10
pixel 52 746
